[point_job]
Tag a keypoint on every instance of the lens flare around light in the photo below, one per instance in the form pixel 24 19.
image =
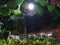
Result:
pixel 31 6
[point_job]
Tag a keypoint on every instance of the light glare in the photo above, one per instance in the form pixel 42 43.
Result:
pixel 31 6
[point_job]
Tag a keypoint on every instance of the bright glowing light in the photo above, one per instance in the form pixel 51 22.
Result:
pixel 31 6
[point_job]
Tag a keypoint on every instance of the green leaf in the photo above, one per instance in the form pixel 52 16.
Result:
pixel 51 8
pixel 16 12
pixel 5 11
pixel 41 2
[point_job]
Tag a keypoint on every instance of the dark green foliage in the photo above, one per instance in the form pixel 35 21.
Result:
pixel 41 2
pixel 40 10
pixel 51 8
pixel 17 12
pixel 13 4
pixel 3 2
pixel 5 11
pixel 9 7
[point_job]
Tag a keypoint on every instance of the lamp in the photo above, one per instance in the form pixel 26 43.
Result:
pixel 31 6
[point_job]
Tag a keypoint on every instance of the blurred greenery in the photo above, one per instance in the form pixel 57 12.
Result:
pixel 40 11
pixel 51 8
pixel 13 4
pixel 7 5
pixel 10 7
pixel 2 2
pixel 41 2
pixel 16 12
pixel 37 41
pixel 5 11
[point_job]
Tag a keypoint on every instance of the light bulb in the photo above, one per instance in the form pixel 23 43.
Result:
pixel 31 6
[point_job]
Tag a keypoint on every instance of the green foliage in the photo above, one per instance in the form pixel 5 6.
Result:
pixel 9 6
pixel 57 11
pixel 41 2
pixel 13 4
pixel 2 31
pixel 16 12
pixel 3 2
pixel 5 11
pixel 1 43
pixel 51 8
pixel 28 42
